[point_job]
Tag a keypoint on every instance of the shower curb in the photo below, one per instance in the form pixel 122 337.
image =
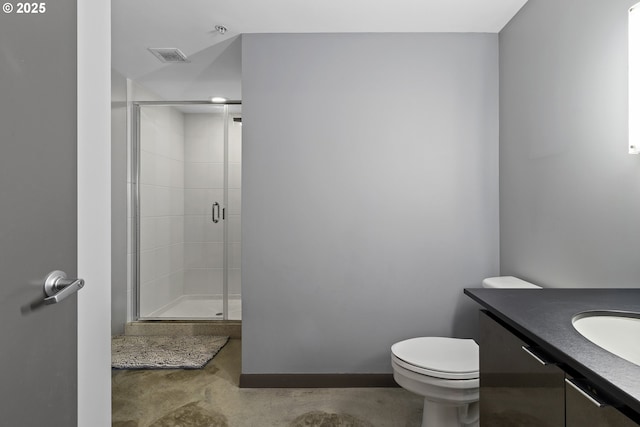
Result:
pixel 232 329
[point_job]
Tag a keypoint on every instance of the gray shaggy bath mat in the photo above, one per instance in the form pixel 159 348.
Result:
pixel 164 352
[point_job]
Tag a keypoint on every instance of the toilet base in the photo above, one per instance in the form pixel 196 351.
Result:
pixel 437 414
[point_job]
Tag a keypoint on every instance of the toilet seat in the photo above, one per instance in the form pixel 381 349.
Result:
pixel 439 357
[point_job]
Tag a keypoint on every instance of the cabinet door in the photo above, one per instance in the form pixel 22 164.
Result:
pixel 516 387
pixel 584 409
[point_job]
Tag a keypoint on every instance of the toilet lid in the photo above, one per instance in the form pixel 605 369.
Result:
pixel 439 356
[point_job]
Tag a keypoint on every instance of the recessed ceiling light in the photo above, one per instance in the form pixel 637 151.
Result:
pixel 217 99
pixel 221 29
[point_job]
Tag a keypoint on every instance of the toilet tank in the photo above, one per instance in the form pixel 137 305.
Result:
pixel 507 282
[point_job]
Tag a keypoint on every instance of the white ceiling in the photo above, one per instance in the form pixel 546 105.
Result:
pixel 215 58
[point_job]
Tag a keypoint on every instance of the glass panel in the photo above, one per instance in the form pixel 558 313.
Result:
pixel 161 208
pixel 234 181
pixel 183 213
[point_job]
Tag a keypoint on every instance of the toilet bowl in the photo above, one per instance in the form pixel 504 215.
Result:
pixel 445 371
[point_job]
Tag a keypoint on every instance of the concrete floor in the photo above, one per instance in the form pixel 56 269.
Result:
pixel 210 397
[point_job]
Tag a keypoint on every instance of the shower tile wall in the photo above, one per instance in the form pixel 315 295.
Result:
pixel 162 206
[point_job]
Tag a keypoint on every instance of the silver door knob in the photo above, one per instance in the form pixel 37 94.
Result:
pixel 57 287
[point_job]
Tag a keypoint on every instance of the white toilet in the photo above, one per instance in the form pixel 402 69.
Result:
pixel 445 371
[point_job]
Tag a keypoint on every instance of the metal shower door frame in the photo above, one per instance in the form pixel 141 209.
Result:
pixel 135 198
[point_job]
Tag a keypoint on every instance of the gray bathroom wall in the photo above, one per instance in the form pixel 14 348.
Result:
pixel 118 202
pixel 370 194
pixel 569 192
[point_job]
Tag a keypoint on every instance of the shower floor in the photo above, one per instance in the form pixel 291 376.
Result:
pixel 198 307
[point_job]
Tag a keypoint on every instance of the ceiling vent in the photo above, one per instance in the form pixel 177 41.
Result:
pixel 169 55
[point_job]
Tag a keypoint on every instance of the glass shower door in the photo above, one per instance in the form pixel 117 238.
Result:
pixel 189 212
pixel 205 212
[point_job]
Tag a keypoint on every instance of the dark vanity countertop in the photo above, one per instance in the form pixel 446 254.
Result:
pixel 543 317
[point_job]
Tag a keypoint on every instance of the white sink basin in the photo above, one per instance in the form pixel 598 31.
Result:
pixel 616 332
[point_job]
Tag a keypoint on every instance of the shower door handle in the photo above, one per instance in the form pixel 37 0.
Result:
pixel 215 212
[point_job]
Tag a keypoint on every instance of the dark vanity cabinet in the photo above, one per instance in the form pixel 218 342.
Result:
pixel 585 408
pixel 517 386
pixel 520 387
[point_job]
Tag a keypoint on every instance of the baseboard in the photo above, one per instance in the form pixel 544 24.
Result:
pixel 316 380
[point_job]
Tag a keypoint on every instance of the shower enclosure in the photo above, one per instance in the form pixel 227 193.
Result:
pixel 186 210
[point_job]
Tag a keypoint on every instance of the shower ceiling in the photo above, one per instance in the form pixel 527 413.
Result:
pixel 190 26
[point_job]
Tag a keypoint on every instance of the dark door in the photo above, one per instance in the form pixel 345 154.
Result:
pixel 38 362
pixel 517 387
pixel 584 407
